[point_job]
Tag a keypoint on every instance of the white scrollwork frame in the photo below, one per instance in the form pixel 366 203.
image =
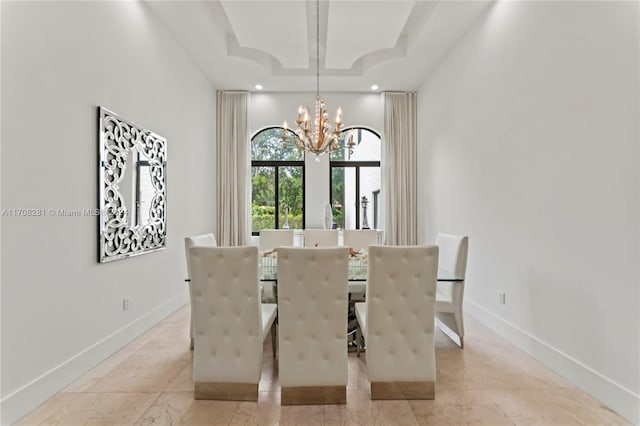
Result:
pixel 118 237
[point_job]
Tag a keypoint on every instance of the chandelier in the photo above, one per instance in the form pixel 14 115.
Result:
pixel 322 137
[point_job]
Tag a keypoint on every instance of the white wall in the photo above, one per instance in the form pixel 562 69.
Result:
pixel 528 137
pixel 61 310
pixel 272 109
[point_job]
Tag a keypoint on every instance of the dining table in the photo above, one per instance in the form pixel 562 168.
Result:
pixel 357 270
pixel 357 274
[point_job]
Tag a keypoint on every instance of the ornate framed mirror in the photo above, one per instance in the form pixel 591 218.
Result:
pixel 132 188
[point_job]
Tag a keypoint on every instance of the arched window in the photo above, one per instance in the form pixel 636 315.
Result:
pixel 277 180
pixel 355 173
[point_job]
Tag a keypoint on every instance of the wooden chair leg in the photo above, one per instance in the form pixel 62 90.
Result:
pixel 273 338
pixel 358 340
pixel 461 342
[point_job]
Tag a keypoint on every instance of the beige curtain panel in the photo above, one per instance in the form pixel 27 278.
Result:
pixel 232 158
pixel 399 173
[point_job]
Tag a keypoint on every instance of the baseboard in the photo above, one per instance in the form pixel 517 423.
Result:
pixel 20 402
pixel 618 398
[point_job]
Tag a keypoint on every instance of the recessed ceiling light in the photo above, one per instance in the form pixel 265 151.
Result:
pixel 374 87
pixel 258 86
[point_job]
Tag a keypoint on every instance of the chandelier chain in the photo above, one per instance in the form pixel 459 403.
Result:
pixel 317 134
pixel 317 48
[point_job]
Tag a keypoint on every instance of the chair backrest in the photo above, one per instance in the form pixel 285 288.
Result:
pixel 204 240
pixel 227 314
pixel 271 238
pixel 320 237
pixel 312 316
pixel 359 238
pixel 453 253
pixel 401 289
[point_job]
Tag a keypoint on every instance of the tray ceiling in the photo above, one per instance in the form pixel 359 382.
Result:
pixel 394 44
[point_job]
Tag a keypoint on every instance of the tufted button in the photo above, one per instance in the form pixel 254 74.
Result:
pixel 313 337
pixel 300 356
pixel 226 333
pixel 210 275
pixel 325 356
pixel 237 353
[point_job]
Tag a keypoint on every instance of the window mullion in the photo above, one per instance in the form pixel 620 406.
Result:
pixel 277 193
pixel 357 197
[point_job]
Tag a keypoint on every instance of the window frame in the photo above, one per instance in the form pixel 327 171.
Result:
pixel 276 164
pixel 357 165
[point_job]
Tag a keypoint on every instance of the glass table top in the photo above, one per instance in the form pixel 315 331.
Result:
pixel 358 269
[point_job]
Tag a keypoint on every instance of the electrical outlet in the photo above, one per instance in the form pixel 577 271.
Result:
pixel 125 304
pixel 502 297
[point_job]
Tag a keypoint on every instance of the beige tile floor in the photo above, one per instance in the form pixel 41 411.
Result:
pixel 490 382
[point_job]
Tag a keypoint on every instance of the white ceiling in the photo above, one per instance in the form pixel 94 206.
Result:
pixel 392 43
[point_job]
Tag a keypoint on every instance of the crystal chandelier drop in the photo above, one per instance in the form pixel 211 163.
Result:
pixel 322 137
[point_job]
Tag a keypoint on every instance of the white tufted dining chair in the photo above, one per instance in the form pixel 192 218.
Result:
pixel 205 240
pixel 397 321
pixel 230 323
pixel 272 238
pixel 320 237
pixel 312 316
pixel 449 296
